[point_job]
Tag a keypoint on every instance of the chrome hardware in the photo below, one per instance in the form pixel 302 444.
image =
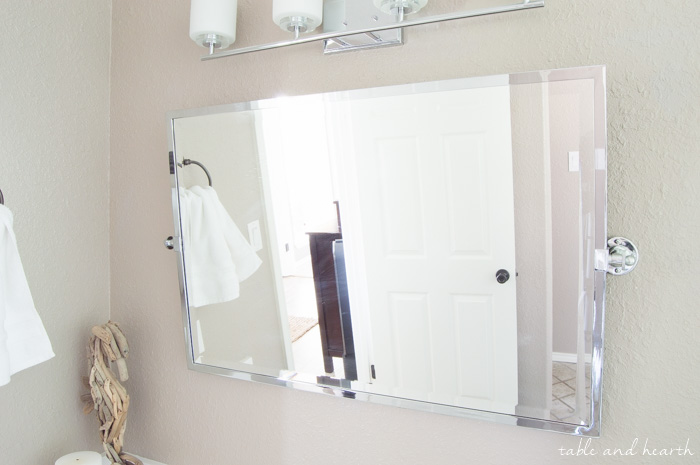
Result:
pixel 387 22
pixel 388 38
pixel 619 258
pixel 502 276
pixel 2 199
pixel 169 243
pixel 623 256
pixel 213 41
pixel 187 162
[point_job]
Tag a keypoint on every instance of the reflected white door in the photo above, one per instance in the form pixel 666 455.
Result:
pixel 427 208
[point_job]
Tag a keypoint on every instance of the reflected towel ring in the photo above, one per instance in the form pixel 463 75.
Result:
pixel 2 198
pixel 187 161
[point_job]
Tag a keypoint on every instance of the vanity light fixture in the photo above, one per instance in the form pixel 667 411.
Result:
pixel 213 23
pixel 357 24
pixel 400 8
pixel 334 19
pixel 297 16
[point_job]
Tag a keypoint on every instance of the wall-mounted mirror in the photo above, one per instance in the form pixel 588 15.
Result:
pixel 429 246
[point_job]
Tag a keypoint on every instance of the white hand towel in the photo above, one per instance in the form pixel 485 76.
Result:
pixel 217 255
pixel 23 339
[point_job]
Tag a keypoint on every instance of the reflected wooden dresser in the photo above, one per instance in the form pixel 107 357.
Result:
pixel 327 302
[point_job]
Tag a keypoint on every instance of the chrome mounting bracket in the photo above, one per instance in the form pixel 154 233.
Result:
pixel 620 257
pixel 388 38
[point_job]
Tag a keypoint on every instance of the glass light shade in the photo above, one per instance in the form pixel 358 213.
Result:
pixel 213 21
pixel 334 15
pixel 301 15
pixel 392 6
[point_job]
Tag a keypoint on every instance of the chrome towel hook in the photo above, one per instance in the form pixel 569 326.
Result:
pixel 2 198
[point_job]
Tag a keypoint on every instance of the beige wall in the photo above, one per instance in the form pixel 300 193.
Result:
pixel 54 146
pixel 182 417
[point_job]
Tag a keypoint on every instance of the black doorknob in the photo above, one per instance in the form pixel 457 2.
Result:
pixel 502 276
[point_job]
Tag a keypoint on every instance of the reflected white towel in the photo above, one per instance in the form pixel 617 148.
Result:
pixel 217 256
pixel 23 339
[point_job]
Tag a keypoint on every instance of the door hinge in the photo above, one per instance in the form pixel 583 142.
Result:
pixel 171 159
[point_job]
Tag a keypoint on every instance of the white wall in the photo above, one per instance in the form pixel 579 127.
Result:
pixel 54 145
pixel 651 48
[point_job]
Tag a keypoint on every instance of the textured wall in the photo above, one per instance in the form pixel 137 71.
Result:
pixel 651 49
pixel 54 133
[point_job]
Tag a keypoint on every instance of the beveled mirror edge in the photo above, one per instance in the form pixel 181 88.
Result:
pixel 597 74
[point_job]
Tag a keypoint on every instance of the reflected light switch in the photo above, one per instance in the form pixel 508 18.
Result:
pixel 254 236
pixel 574 163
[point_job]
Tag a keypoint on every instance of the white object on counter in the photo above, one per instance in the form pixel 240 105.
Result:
pixel 84 457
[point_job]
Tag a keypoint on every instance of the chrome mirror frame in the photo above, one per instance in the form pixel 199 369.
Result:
pixel 593 429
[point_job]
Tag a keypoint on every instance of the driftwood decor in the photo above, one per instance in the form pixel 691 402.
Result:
pixel 108 398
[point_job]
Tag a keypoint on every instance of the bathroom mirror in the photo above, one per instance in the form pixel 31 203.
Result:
pixel 429 246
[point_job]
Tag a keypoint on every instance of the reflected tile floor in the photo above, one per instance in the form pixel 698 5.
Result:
pixel 564 392
pixel 308 355
pixel 300 295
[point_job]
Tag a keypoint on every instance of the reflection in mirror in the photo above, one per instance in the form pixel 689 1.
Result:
pixel 429 245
